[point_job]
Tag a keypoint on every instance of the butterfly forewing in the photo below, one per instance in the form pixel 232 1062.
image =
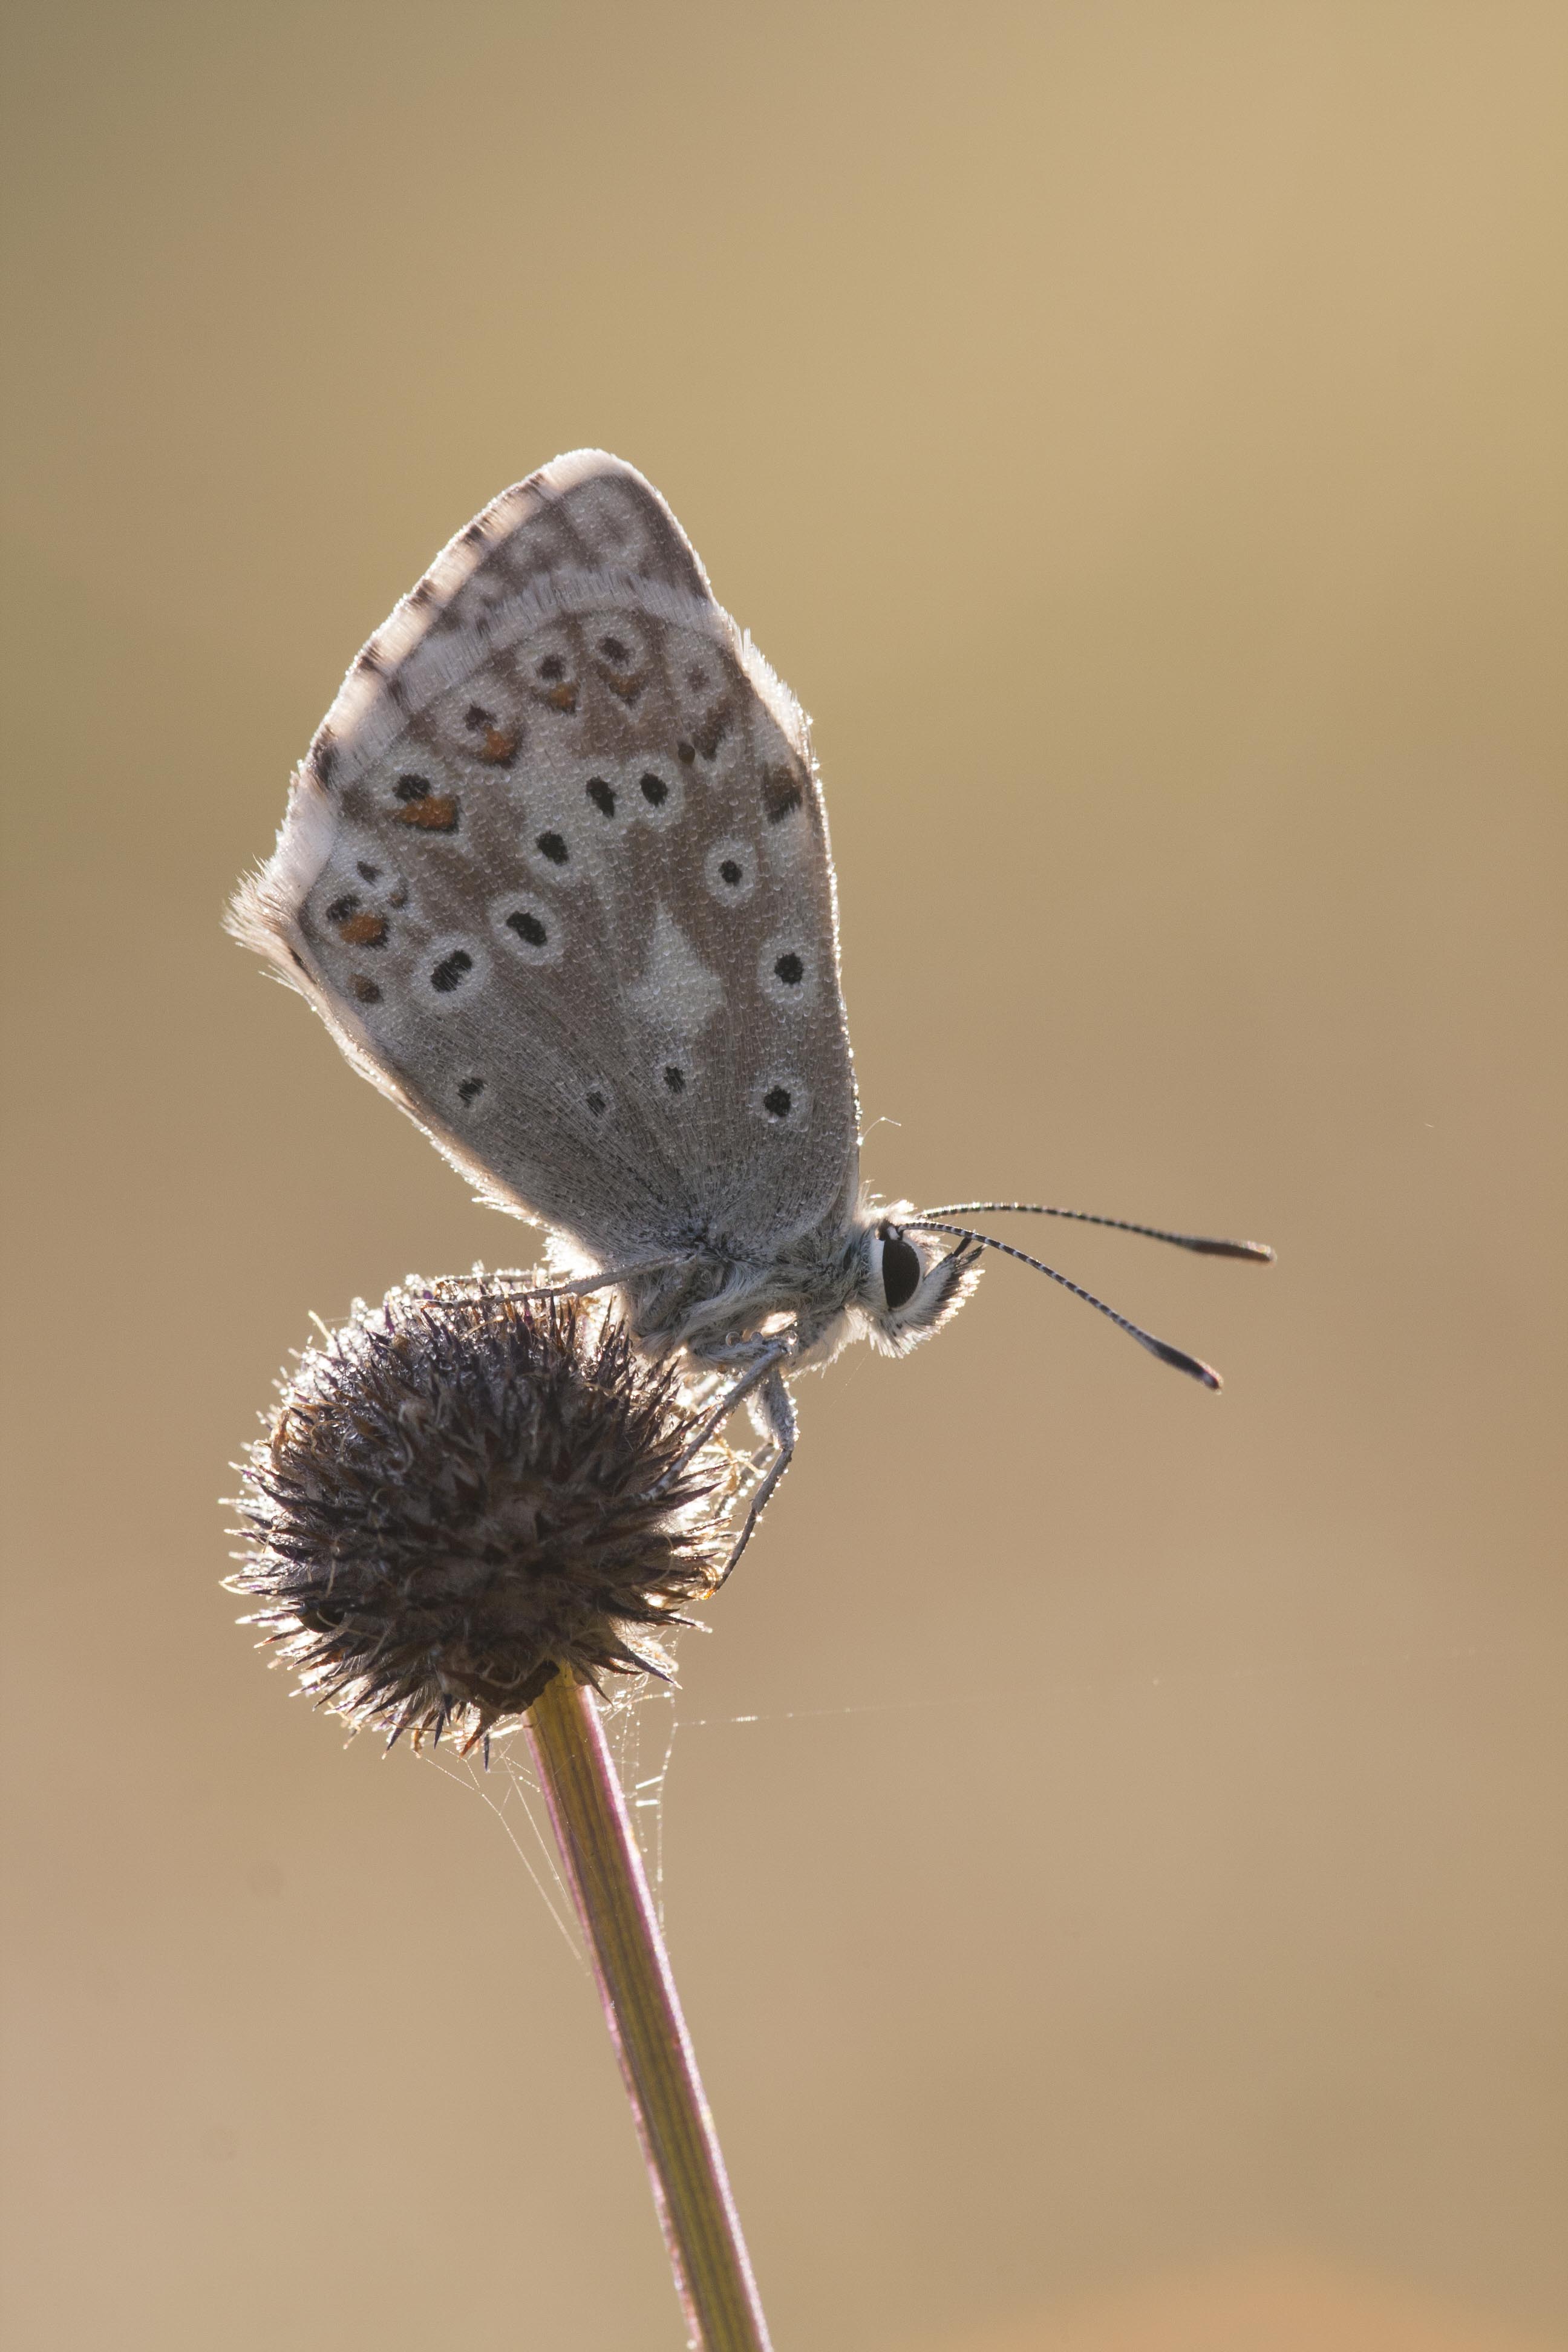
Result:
pixel 556 872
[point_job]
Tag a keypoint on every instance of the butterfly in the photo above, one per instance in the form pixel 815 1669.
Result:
pixel 555 872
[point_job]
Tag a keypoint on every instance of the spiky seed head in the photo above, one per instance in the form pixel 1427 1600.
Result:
pixel 462 1493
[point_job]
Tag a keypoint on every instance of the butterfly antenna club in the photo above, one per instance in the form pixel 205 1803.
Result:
pixel 1177 1357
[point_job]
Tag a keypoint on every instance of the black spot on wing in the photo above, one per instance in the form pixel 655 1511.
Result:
pixel 782 794
pixel 451 972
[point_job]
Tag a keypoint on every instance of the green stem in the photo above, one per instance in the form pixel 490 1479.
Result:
pixel 609 1886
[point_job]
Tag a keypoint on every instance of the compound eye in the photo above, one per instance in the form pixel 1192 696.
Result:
pixel 901 1269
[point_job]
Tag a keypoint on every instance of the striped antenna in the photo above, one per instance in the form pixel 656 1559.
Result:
pixel 1255 1253
pixel 1178 1357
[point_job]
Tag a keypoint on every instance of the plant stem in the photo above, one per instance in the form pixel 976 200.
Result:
pixel 609 1886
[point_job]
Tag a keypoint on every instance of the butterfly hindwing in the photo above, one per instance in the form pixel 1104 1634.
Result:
pixel 556 872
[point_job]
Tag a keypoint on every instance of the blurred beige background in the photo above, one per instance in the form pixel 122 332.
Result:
pixel 1113 1848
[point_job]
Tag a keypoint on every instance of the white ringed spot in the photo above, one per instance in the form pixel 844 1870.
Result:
pixel 655 790
pixel 551 850
pixel 527 928
pixel 452 971
pixel 786 971
pixel 779 1099
pixel 730 870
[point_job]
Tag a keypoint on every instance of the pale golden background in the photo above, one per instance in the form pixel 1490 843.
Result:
pixel 1135 1916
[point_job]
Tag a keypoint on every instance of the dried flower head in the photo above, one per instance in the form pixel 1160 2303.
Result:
pixel 461 1493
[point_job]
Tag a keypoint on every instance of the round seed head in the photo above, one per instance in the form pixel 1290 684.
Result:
pixel 462 1493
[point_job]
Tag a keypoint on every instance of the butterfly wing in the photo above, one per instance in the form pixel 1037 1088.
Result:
pixel 556 871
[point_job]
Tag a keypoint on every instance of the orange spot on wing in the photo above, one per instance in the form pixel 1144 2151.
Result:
pixel 498 749
pixel 438 812
pixel 363 930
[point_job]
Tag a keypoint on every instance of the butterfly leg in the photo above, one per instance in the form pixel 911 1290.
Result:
pixel 749 1380
pixel 775 1409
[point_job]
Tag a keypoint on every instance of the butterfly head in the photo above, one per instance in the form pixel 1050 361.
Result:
pixel 910 1284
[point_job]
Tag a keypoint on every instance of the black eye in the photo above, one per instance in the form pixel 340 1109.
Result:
pixel 901 1270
